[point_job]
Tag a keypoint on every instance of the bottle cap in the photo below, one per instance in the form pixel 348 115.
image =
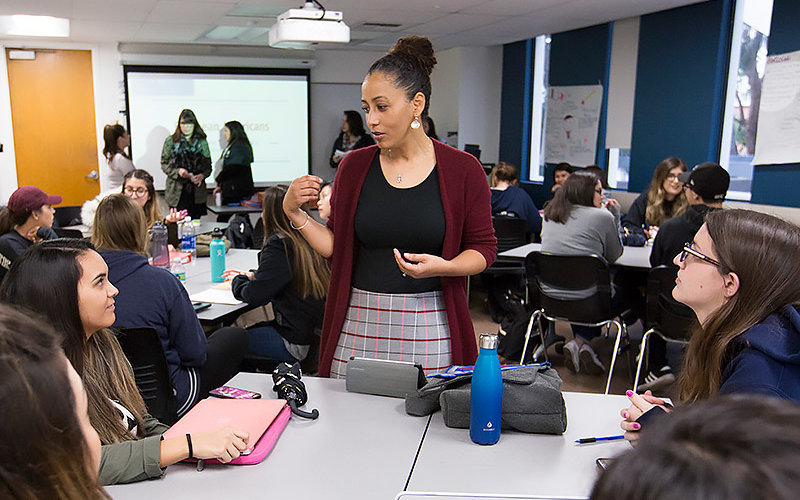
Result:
pixel 216 233
pixel 488 341
pixel 187 219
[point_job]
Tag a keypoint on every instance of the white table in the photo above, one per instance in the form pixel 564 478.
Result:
pixel 360 447
pixel 198 278
pixel 634 257
pixel 522 464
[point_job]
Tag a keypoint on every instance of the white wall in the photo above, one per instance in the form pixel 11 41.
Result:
pixel 8 168
pixel 445 84
pixel 622 83
pixel 479 100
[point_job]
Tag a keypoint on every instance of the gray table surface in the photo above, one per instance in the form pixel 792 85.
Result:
pixel 202 227
pixel 634 257
pixel 198 278
pixel 360 447
pixel 225 209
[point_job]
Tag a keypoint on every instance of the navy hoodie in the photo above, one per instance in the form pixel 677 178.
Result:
pixel 151 296
pixel 515 199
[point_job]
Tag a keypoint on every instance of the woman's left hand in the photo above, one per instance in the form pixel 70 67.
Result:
pixel 640 404
pixel 420 265
pixel 175 216
pixel 197 179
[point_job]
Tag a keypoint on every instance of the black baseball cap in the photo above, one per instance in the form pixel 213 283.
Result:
pixel 708 180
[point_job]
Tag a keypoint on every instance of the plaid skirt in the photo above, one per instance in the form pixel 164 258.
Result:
pixel 398 327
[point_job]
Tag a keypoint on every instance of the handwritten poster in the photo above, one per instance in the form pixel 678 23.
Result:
pixel 571 128
pixel 778 135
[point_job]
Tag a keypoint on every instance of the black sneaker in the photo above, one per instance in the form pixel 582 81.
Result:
pixel 657 380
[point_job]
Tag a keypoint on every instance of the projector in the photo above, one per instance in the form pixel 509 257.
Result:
pixel 299 28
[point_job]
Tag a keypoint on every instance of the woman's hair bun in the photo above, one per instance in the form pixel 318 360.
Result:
pixel 417 48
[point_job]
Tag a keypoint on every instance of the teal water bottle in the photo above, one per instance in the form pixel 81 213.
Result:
pixel 486 394
pixel 217 252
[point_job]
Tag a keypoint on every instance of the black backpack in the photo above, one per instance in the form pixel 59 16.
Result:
pixel 240 231
pixel 512 329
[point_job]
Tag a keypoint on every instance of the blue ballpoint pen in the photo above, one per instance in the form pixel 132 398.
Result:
pixel 595 439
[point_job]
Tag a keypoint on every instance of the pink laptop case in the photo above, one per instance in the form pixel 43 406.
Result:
pixel 263 419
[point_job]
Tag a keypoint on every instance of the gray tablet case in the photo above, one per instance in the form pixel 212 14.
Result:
pixel 383 377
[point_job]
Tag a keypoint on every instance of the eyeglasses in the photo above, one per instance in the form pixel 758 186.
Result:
pixel 137 191
pixel 672 177
pixel 687 249
pixel 598 191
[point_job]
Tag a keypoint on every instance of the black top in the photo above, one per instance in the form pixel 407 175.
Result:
pixel 411 220
pixel 295 316
pixel 676 231
pixel 12 244
pixel 363 141
pixel 635 221
pixel 236 177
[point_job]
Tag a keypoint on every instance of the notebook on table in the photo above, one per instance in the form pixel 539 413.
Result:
pixel 263 419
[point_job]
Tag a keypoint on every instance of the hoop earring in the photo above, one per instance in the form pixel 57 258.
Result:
pixel 415 124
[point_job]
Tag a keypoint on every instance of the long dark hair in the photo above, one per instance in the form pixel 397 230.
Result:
pixel 578 189
pixel 238 135
pixel 733 447
pixel 658 208
pixel 311 272
pixel 409 64
pixel 43 451
pixel 110 135
pixel 187 115
pixel 45 280
pixel 151 211
pixel 762 251
pixel 354 123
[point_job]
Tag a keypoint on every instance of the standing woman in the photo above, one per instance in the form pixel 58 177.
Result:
pixel 663 200
pixel 27 219
pixel 410 220
pixel 235 180
pixel 119 163
pixel 576 224
pixel 291 276
pixel 72 293
pixel 186 160
pixel 353 136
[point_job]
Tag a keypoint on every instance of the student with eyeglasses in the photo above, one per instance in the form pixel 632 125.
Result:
pixel 739 276
pixel 138 185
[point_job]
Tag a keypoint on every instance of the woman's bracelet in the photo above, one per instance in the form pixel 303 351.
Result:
pixel 189 442
pixel 308 218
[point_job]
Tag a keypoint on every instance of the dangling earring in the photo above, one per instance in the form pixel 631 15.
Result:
pixel 415 124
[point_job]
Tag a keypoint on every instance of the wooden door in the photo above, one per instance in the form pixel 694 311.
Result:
pixel 52 110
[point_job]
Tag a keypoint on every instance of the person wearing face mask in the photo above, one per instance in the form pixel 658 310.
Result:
pixel 353 136
pixel 739 276
pixel 410 220
pixel 186 160
pixel 119 163
pixel 663 200
pixel 27 219
pixel 49 448
pixel 235 180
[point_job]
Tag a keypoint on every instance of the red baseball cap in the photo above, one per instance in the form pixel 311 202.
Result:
pixel 30 198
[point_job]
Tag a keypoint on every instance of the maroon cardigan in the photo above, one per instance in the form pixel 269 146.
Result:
pixel 468 225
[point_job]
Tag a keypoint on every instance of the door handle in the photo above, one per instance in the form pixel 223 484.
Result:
pixel 92 175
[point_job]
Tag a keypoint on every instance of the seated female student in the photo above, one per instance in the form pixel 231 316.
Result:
pixel 663 200
pixel 138 185
pixel 48 448
pixel 575 223
pixel 28 218
pixel 150 296
pixel 739 276
pixel 508 198
pixel 72 292
pixel 290 275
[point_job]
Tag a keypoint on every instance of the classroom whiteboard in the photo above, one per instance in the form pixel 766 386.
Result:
pixel 778 134
pixel 573 114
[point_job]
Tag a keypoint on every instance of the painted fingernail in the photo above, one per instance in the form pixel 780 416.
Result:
pixel 636 426
pixel 629 393
pixel 625 415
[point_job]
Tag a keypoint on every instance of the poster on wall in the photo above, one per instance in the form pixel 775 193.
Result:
pixel 571 128
pixel 778 134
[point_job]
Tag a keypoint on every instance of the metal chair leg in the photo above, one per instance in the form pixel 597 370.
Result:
pixel 614 354
pixel 643 347
pixel 534 316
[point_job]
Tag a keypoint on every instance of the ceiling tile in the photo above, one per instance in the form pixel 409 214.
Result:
pixel 157 32
pixel 187 12
pixel 112 10
pixel 456 23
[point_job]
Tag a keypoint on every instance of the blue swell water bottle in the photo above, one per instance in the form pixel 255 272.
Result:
pixel 217 252
pixel 486 396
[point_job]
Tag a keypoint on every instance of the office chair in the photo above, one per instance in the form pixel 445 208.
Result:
pixel 69 215
pixel 554 275
pixel 666 317
pixel 68 233
pixel 143 349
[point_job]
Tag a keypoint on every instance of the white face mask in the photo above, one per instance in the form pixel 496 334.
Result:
pixel 187 129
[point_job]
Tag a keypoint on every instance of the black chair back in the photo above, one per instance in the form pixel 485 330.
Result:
pixel 143 349
pixel 552 275
pixel 258 234
pixel 68 233
pixel 69 215
pixel 510 232
pixel 670 317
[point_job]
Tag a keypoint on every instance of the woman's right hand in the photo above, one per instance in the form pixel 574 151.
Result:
pixel 301 191
pixel 223 444
pixel 182 172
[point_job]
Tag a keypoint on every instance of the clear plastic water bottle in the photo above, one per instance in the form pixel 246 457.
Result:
pixel 158 245
pixel 178 270
pixel 189 238
pixel 486 396
pixel 217 252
